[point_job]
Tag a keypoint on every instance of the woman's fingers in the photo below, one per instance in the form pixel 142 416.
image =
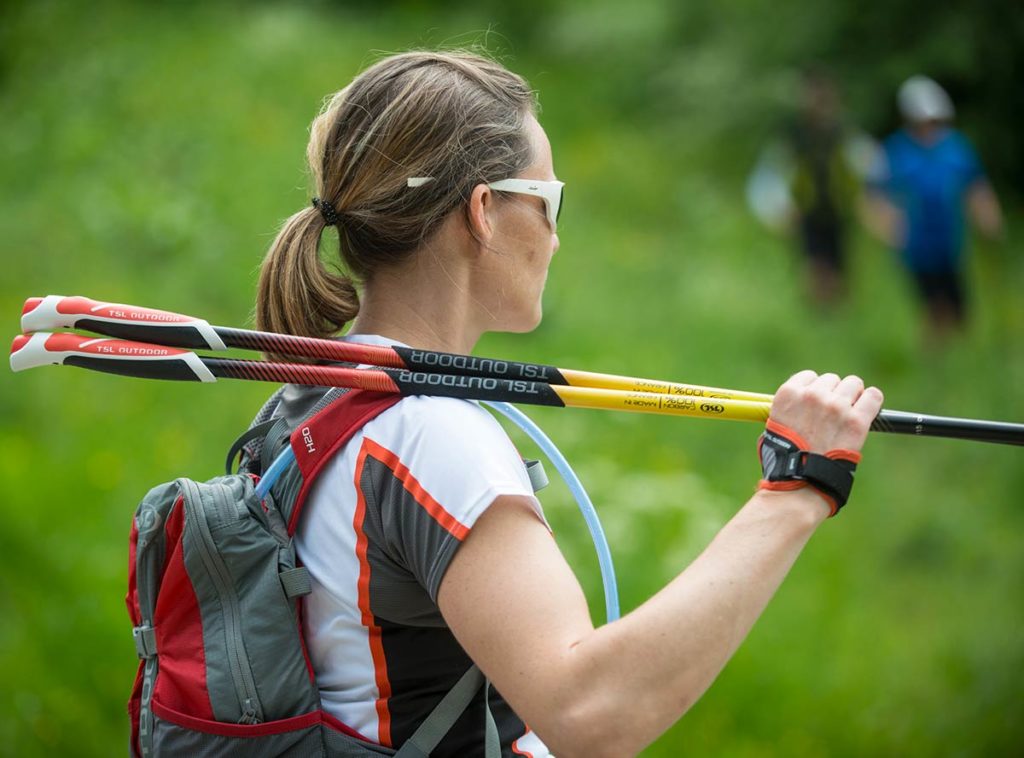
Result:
pixel 825 383
pixel 792 389
pixel 869 404
pixel 850 388
pixel 802 378
pixel 828 411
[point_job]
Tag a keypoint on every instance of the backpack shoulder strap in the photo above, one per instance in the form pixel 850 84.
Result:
pixel 435 726
pixel 238 446
pixel 319 437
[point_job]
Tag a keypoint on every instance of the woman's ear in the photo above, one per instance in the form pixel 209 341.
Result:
pixel 479 212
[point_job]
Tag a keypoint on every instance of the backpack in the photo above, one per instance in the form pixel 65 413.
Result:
pixel 214 591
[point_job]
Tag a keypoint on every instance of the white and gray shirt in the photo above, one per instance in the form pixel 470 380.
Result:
pixel 382 523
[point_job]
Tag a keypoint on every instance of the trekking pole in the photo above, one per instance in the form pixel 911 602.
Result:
pixel 159 362
pixel 150 361
pixel 175 330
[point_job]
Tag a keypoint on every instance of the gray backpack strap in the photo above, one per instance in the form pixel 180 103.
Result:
pixel 269 408
pixel 436 725
pixel 258 430
pixel 278 432
pixel 253 447
pixel 492 741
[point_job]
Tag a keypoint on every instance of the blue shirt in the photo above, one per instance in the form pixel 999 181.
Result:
pixel 928 182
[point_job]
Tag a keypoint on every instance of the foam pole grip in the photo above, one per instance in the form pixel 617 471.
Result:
pixel 111 356
pixel 115 320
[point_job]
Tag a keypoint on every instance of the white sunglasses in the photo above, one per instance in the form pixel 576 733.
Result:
pixel 550 192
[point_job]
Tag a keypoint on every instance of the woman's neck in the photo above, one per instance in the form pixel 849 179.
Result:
pixel 425 313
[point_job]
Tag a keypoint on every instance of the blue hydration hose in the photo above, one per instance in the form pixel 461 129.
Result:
pixel 604 554
pixel 283 460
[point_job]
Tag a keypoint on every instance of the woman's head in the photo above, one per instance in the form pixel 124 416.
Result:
pixel 456 117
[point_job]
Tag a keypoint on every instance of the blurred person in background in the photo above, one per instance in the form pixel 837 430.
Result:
pixel 808 180
pixel 928 174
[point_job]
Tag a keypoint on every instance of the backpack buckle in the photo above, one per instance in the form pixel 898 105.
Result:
pixel 538 476
pixel 145 641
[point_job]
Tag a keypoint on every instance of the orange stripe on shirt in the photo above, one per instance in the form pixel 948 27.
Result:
pixel 380 668
pixel 437 511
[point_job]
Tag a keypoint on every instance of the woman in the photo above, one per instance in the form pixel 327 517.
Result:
pixel 427 547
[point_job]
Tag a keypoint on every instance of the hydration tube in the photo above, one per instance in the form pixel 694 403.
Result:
pixel 604 554
pixel 283 460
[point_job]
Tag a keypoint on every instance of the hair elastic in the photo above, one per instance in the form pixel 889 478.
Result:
pixel 330 215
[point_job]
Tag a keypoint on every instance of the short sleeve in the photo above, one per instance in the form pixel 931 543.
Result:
pixel 968 161
pixel 431 467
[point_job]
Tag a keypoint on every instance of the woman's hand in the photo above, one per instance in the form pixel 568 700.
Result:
pixel 828 412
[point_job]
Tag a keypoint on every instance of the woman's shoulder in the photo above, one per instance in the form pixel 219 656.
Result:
pixel 442 420
pixel 455 451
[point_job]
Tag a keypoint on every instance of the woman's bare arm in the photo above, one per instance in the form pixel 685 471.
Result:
pixel 516 607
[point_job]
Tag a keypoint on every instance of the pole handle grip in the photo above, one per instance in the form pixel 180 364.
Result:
pixel 42 314
pixel 112 356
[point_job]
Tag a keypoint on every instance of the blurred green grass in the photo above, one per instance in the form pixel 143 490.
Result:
pixel 149 152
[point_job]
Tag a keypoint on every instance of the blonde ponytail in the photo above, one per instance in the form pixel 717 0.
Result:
pixel 297 293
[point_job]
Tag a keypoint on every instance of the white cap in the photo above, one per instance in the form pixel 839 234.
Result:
pixel 922 99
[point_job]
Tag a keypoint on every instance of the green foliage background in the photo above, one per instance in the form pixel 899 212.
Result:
pixel 149 151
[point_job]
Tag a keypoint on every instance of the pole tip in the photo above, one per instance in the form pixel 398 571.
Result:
pixel 31 304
